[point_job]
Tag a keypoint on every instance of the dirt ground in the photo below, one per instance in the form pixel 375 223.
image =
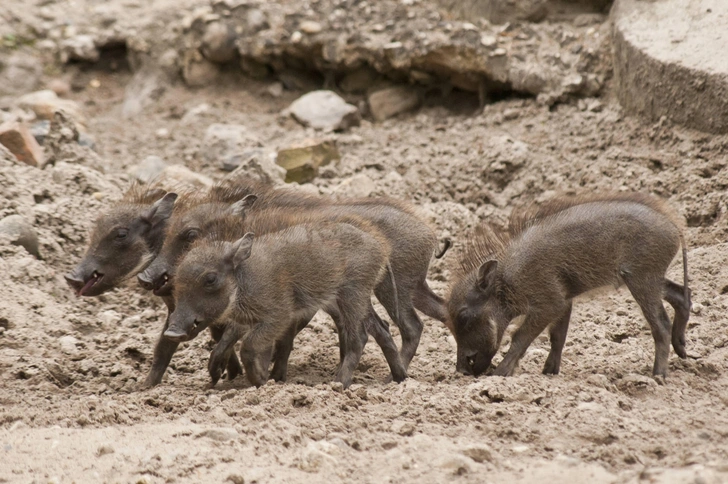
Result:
pixel 70 410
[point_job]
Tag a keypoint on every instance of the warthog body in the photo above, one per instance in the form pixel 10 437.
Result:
pixel 555 253
pixel 264 286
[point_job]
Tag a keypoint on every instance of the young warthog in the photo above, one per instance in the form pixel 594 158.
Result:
pixel 555 253
pixel 124 240
pixel 266 286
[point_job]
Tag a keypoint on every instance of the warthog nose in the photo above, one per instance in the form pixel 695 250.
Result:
pixel 145 281
pixel 74 281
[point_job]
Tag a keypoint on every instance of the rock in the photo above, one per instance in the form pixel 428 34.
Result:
pixel 302 160
pixel 405 429
pixel 479 453
pixel 310 27
pixel 224 140
pixel 358 186
pixel 105 450
pixel 150 168
pixel 457 464
pixel 40 130
pixel 256 20
pixel 60 86
pixel 45 104
pixel 218 42
pixel 198 71
pixel 275 89
pixel 17 231
pixel 316 455
pixel 235 160
pixel 634 383
pixel 110 317
pixel 259 165
pixel 697 308
pixel 359 80
pixel 184 176
pixel 392 101
pixel 235 479
pixel 220 435
pixel 80 47
pixel 68 345
pixel 324 110
pixel 19 73
pixel 17 138
pixel 668 63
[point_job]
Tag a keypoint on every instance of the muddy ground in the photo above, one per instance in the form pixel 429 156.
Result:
pixel 69 367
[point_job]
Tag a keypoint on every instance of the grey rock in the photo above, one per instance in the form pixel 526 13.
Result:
pixel 218 42
pixel 224 140
pixel 149 169
pixel 256 20
pixel 325 110
pixel 233 161
pixel 392 101
pixel 17 231
pixel 80 47
pixel 358 186
pixel 257 164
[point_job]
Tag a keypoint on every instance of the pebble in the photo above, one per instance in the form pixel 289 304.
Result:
pixel 325 110
pixel 69 345
pixel 105 450
pixel 392 101
pixel 357 186
pixel 479 453
pixel 310 27
pixel 19 140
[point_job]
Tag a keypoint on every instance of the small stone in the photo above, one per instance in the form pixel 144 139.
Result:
pixel 324 110
pixel 17 231
pixel 235 479
pixel 358 186
pixel 60 86
pixel 45 104
pixel 17 138
pixel 275 89
pixel 479 453
pixel 488 40
pixel 499 52
pixel 634 382
pixel 220 435
pixel 594 106
pixel 149 169
pixel 260 166
pixel 198 71
pixel 68 345
pixel 105 450
pixel 256 20
pixel 162 133
pixel 303 159
pixel 310 27
pixel 697 308
pixel 218 42
pixel 235 160
pixel 110 317
pixel 392 101
pixel 80 47
pixel 405 429
pixel 183 175
pixel 510 114
pixel 457 464
pixel 296 37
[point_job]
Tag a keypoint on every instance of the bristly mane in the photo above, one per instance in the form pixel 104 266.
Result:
pixel 488 240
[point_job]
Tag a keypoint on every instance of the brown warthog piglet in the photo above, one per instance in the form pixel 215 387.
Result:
pixel 265 285
pixel 553 253
pixel 222 221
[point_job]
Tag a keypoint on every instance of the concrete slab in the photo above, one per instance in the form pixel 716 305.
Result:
pixel 670 59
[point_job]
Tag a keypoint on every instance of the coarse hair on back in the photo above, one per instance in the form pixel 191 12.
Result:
pixel 489 241
pixel 145 194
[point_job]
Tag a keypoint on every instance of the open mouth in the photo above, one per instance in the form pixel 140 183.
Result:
pixel 93 280
pixel 163 289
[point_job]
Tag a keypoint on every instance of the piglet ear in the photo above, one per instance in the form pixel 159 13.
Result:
pixel 161 210
pixel 240 207
pixel 486 273
pixel 240 250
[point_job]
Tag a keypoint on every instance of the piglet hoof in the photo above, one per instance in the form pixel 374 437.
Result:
pixel 660 379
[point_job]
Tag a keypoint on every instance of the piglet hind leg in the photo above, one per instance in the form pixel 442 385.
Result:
pixel 353 310
pixel 674 294
pixel 537 319
pixel 648 294
pixel 557 335
pixel 256 353
pixel 380 331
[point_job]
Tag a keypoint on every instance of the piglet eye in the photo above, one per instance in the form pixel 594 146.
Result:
pixel 210 279
pixel 192 235
pixel 121 233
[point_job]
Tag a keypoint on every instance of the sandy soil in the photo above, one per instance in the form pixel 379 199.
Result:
pixel 70 411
